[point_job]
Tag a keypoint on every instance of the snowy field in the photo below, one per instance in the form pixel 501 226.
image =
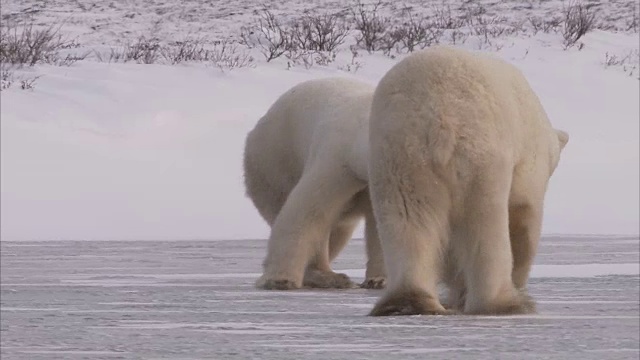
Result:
pixel 120 152
pixel 196 300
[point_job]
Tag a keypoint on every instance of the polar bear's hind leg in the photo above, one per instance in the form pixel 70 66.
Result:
pixel 486 257
pixel 412 224
pixel 301 231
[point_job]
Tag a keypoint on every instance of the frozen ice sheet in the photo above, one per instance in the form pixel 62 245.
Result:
pixel 196 300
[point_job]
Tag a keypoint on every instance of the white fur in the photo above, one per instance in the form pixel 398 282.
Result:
pixel 305 170
pixel 461 152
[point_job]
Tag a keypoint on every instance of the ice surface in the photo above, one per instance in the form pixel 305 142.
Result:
pixel 195 300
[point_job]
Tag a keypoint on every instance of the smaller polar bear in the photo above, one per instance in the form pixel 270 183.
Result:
pixel 305 170
pixel 461 152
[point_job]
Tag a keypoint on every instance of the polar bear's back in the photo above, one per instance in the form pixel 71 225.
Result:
pixel 447 95
pixel 316 119
pixel 311 109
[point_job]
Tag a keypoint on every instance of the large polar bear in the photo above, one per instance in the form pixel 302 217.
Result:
pixel 305 170
pixel 461 152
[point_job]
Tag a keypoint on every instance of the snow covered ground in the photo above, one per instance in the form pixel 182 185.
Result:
pixel 126 151
pixel 196 300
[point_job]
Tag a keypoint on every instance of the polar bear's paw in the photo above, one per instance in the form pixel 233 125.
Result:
pixel 314 278
pixel 521 303
pixel 378 282
pixel 276 284
pixel 517 304
pixel 409 302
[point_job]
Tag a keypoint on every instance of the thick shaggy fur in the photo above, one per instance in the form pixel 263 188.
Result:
pixel 461 152
pixel 305 170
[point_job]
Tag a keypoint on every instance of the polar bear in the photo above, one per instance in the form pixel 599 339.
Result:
pixel 305 170
pixel 461 152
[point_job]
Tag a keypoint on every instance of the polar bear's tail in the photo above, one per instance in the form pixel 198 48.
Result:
pixel 266 197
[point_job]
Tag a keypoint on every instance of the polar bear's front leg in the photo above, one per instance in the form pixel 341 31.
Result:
pixel 301 230
pixel 319 273
pixel 525 225
pixel 341 233
pixel 526 201
pixel 375 275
